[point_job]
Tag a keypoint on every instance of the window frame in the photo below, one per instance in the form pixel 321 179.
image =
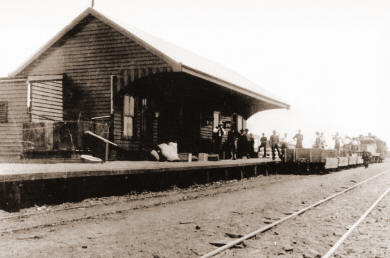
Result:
pixel 5 104
pixel 128 113
pixel 239 123
pixel 216 118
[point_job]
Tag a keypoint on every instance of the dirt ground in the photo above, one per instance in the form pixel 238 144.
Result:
pixel 183 222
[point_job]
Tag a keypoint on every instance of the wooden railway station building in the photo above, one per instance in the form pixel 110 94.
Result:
pixel 123 84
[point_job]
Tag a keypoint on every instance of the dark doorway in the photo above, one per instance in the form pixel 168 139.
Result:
pixel 190 133
pixel 180 123
pixel 169 126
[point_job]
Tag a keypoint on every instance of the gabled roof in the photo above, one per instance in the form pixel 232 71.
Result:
pixel 180 59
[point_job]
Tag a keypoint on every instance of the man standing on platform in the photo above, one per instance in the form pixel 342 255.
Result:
pixel 274 141
pixel 284 144
pixel 263 143
pixel 299 138
pixel 218 134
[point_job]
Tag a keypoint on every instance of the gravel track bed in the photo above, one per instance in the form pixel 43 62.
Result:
pixel 314 232
pixel 372 237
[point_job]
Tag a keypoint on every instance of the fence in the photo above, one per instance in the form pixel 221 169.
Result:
pixel 61 136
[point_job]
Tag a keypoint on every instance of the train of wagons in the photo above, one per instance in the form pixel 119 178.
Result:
pixel 313 159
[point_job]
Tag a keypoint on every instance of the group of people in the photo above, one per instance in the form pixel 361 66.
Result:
pixel 279 145
pixel 320 142
pixel 242 144
pixel 350 144
pixel 239 144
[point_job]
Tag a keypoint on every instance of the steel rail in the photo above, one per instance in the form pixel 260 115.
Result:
pixel 268 227
pixel 341 240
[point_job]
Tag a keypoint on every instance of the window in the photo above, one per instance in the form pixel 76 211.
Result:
pixel 116 86
pixel 3 111
pixel 128 116
pixel 144 124
pixel 239 123
pixel 216 118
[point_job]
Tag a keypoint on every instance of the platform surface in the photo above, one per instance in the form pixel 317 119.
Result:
pixel 11 172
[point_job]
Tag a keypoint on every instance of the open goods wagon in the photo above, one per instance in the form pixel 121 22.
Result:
pixel 312 159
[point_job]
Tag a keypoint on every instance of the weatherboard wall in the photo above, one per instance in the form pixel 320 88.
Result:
pixel 13 92
pixel 88 55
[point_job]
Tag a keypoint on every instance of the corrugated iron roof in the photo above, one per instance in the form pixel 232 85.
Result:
pixel 181 60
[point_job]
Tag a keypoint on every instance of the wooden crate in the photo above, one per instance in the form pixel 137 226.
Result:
pixel 303 154
pixel 328 154
pixel 213 157
pixel 352 161
pixel 290 156
pixel 185 157
pixel 331 163
pixel 203 157
pixel 316 155
pixel 343 161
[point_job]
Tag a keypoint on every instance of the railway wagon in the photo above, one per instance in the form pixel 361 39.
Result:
pixel 318 159
pixel 360 161
pixel 376 147
pixel 311 159
pixel 352 160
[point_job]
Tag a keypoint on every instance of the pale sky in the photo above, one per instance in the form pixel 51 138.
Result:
pixel 328 59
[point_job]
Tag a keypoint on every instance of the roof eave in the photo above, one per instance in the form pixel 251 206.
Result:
pixel 231 86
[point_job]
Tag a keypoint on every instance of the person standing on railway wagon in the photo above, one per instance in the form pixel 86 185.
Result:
pixel 355 144
pixel 274 142
pixel 347 144
pixel 323 142
pixel 337 142
pixel 284 144
pixel 299 139
pixel 317 142
pixel 263 143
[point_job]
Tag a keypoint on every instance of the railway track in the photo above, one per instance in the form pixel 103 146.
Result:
pixel 297 213
pixel 188 194
pixel 333 249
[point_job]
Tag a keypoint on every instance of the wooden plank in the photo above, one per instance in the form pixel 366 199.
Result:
pixel 56 108
pixel 54 90
pixel 50 88
pixel 48 102
pixel 54 77
pixel 100 138
pixel 44 94
pixel 38 109
pixel 12 80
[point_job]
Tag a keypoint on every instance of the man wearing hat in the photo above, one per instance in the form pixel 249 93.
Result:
pixel 218 133
pixel 274 142
pixel 317 143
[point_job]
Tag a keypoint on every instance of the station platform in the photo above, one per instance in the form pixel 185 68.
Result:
pixel 11 172
pixel 26 184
